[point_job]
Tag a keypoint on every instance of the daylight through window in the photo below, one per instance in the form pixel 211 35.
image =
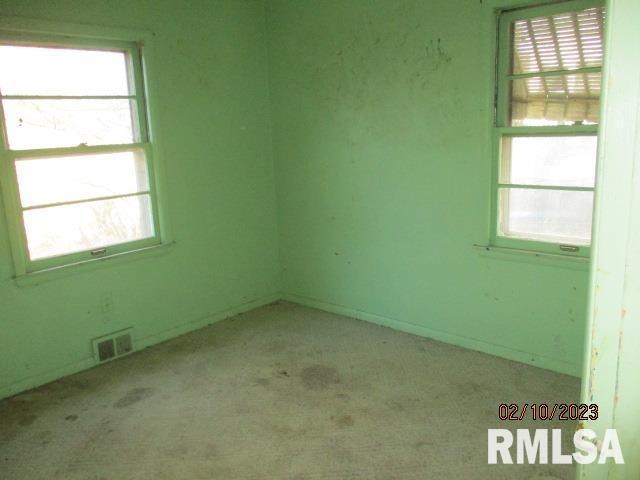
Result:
pixel 547 123
pixel 76 138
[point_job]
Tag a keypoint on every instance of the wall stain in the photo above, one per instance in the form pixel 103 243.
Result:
pixel 436 55
pixel 375 66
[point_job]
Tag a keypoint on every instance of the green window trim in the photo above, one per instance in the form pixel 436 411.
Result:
pixel 137 47
pixel 501 126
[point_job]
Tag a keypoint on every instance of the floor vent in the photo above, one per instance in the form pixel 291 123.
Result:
pixel 113 345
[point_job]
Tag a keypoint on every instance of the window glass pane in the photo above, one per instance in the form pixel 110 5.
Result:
pixel 67 123
pixel 62 179
pixel 556 100
pixel 62 71
pixel 546 215
pixel 566 41
pixel 553 160
pixel 85 226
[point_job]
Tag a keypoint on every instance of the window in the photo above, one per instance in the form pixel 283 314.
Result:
pixel 547 113
pixel 77 176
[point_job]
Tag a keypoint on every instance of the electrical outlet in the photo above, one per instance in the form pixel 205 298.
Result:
pixel 107 303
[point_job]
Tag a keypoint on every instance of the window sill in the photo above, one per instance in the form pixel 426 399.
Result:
pixel 530 256
pixel 41 276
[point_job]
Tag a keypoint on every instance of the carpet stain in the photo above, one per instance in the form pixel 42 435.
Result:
pixel 343 420
pixel 133 396
pixel 319 377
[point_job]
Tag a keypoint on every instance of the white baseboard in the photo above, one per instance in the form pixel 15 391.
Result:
pixel 139 343
pixel 465 342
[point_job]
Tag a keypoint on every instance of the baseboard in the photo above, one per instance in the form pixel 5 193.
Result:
pixel 139 343
pixel 465 342
pixel 45 377
pixel 165 335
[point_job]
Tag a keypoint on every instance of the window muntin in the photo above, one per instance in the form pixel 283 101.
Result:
pixel 76 145
pixel 548 101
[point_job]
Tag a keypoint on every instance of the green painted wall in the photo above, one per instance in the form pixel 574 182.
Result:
pixel 213 124
pixel 381 120
pixel 378 120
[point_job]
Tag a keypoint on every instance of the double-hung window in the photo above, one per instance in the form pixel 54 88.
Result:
pixel 77 173
pixel 546 132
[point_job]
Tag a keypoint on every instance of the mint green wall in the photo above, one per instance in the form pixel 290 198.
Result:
pixel 213 124
pixel 381 119
pixel 380 114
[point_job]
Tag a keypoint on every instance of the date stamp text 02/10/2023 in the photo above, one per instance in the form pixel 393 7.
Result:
pixel 544 411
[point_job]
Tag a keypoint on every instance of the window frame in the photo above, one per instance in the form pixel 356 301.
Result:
pixel 501 127
pixel 46 34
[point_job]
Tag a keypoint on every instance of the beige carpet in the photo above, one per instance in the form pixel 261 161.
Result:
pixel 283 392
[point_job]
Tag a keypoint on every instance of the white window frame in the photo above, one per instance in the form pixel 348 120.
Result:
pixel 501 128
pixel 30 33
